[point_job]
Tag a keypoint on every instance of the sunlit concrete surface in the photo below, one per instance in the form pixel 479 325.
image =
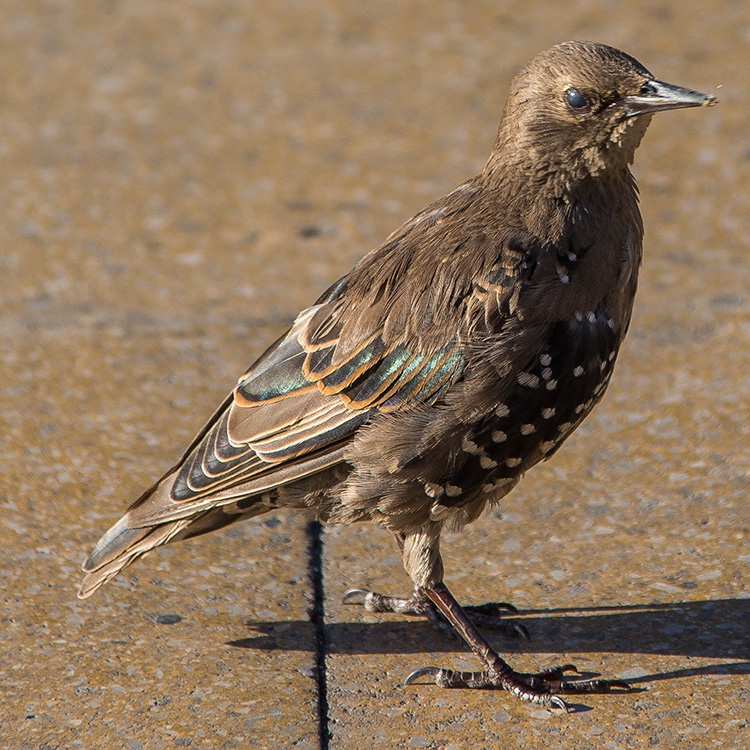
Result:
pixel 177 180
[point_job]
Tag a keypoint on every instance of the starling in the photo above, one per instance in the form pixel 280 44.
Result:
pixel 422 385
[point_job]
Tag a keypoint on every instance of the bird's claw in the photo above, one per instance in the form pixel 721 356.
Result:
pixel 422 672
pixel 508 627
pixel 540 688
pixel 354 596
pixel 558 704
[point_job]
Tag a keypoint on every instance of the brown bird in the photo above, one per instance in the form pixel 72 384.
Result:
pixel 462 351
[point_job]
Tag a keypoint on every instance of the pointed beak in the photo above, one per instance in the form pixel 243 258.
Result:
pixel 656 96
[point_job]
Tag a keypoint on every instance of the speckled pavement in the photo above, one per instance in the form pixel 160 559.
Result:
pixel 177 180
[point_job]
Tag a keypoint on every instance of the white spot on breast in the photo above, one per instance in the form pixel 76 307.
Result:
pixel 498 436
pixel 471 447
pixel 438 512
pixel 502 410
pixel 512 462
pixel 547 446
pixel 452 490
pixel 528 380
pixel 548 413
pixel 591 317
pixel 578 371
pixel 551 385
pixel 547 373
pixel 487 463
pixel 546 360
pixel 527 429
pixel 431 489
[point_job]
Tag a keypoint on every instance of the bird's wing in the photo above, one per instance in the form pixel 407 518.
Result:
pixel 292 413
pixel 375 342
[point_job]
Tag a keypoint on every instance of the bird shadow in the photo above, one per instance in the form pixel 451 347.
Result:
pixel 715 629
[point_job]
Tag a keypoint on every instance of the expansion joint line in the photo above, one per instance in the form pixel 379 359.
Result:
pixel 317 617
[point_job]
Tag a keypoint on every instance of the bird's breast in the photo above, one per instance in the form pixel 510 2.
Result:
pixel 540 406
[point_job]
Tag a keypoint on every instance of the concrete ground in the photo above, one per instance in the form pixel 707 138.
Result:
pixel 178 180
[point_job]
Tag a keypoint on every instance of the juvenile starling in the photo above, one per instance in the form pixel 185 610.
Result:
pixel 453 357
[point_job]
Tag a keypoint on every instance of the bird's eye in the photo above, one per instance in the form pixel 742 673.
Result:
pixel 576 100
pixel 648 89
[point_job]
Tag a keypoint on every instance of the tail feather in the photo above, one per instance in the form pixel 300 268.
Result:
pixel 130 538
pixel 120 547
pixel 150 522
pixel 116 540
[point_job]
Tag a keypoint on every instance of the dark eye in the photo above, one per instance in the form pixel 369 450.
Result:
pixel 576 100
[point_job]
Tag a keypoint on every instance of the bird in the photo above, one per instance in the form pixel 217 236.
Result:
pixel 421 386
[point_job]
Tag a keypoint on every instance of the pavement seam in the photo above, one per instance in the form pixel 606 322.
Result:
pixel 317 617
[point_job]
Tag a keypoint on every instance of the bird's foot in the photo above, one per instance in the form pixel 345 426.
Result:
pixel 540 688
pixel 483 615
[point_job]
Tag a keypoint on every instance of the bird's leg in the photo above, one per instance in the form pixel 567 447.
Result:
pixel 419 603
pixel 421 552
pixel 541 688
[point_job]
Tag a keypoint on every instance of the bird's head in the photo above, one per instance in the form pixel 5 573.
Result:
pixel 581 109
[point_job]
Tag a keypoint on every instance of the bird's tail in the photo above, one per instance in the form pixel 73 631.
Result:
pixel 121 546
pixel 154 519
pixel 131 537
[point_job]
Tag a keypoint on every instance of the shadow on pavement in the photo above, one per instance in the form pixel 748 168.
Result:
pixel 718 629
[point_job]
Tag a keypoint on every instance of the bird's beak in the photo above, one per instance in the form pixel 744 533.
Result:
pixel 656 96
